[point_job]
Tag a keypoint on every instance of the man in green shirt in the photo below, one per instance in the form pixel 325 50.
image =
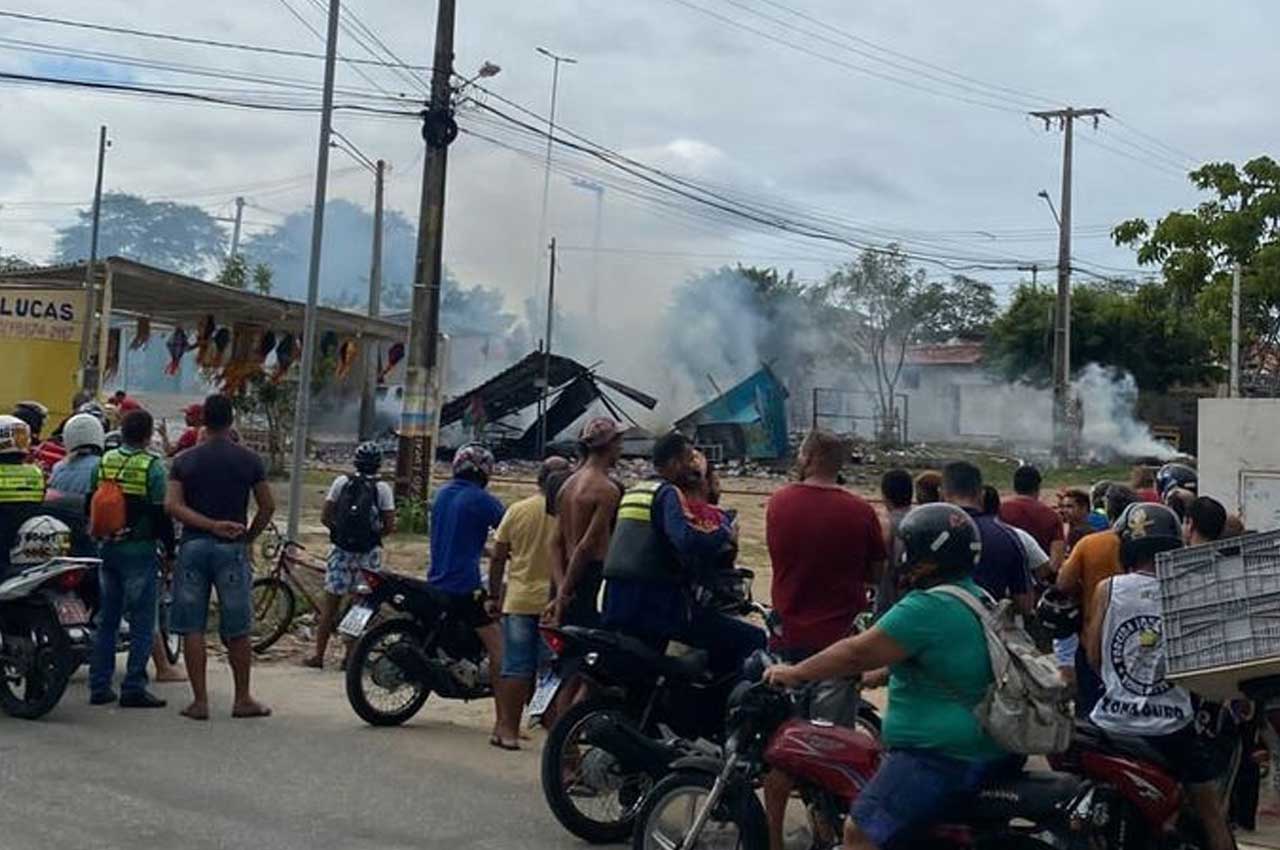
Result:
pixel 939 670
pixel 128 576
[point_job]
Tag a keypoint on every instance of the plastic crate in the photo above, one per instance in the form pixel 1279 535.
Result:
pixel 1220 602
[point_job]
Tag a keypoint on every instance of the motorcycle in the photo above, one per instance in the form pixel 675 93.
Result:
pixel 709 802
pixel 44 632
pixel 397 664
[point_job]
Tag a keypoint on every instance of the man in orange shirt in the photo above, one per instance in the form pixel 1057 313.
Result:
pixel 1094 559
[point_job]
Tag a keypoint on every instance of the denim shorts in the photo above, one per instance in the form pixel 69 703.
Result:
pixel 204 564
pixel 340 569
pixel 911 790
pixel 522 646
pixel 1064 650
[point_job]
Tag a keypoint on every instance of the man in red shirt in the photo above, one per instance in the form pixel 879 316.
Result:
pixel 1026 511
pixel 825 545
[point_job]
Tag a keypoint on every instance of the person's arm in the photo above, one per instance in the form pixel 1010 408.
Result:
pixel 557 557
pixel 1093 631
pixel 1020 589
pixel 497 569
pixel 1068 580
pixel 879 547
pixel 176 506
pixel 1057 553
pixel 266 502
pixel 326 514
pixel 686 539
pixel 871 650
pixel 163 432
pixel 388 522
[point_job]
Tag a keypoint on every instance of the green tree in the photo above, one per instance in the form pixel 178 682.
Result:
pixel 178 237
pixel 268 406
pixel 263 279
pixel 961 309
pixel 235 272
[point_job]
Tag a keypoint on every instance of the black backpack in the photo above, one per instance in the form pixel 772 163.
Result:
pixel 357 525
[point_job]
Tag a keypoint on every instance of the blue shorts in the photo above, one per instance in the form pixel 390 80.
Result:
pixel 205 563
pixel 342 566
pixel 913 789
pixel 522 646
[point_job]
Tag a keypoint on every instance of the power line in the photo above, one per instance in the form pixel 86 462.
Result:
pixel 298 16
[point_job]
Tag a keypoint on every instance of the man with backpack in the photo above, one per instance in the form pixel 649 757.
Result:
pixel 358 511
pixel 126 511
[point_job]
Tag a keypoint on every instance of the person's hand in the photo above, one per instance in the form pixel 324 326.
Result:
pixel 552 614
pixel 492 609
pixel 734 530
pixel 783 676
pixel 875 678
pixel 228 530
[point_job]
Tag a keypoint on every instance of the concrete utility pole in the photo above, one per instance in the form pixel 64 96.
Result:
pixel 302 409
pixel 1065 119
pixel 557 60
pixel 1235 331
pixel 90 368
pixel 546 352
pixel 594 300
pixel 421 404
pixel 235 228
pixel 368 399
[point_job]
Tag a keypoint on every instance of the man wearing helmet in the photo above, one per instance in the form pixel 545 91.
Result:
pixel 84 439
pixel 939 670
pixel 462 514
pixel 1177 475
pixel 358 512
pixel 1125 643
pixel 21 483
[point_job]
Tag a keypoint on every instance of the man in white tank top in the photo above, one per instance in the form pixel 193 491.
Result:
pixel 1125 644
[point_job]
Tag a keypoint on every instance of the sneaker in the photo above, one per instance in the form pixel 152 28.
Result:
pixel 103 697
pixel 141 699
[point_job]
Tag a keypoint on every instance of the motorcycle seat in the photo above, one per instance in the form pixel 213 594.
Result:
pixel 1121 745
pixel 1034 796
pixel 691 665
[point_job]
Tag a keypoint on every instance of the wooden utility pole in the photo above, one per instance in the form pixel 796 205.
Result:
pixel 90 368
pixel 421 401
pixel 368 397
pixel 1065 119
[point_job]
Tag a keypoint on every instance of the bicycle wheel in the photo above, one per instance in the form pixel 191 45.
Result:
pixel 172 643
pixel 274 605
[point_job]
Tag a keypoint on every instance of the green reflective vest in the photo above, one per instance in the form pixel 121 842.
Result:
pixel 130 471
pixel 21 483
pixel 638 550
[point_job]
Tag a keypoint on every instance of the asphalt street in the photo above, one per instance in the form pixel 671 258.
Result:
pixel 313 776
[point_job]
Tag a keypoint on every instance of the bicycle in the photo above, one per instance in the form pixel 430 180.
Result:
pixel 275 595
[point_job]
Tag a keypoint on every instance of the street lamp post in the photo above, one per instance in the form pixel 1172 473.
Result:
pixel 556 60
pixel 594 301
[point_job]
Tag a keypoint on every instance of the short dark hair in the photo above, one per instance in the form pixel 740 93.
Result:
pixel 218 412
pixel 119 394
pixel 136 428
pixel 896 486
pixel 963 479
pixel 551 466
pixel 669 447
pixel 1026 480
pixel 1119 497
pixel 928 487
pixel 990 500
pixel 1080 497
pixel 826 450
pixel 1208 516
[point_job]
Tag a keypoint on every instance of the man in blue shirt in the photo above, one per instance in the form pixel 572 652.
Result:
pixel 462 514
pixel 1002 568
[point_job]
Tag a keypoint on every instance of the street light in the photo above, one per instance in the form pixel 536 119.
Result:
pixel 1052 208
pixel 546 176
pixel 597 190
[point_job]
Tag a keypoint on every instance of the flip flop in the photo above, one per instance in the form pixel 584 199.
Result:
pixel 495 741
pixel 249 713
pixel 314 663
pixel 191 714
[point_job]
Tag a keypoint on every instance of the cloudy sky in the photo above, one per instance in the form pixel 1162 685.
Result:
pixel 887 120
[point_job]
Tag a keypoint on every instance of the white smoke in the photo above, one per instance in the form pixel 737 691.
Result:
pixel 1111 429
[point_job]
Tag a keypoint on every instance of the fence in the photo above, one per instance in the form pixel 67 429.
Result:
pixel 841 410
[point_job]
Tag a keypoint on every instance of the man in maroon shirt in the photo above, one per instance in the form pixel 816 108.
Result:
pixel 825 545
pixel 1026 511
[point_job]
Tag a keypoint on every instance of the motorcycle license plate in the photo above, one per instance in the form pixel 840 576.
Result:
pixel 71 610
pixel 544 693
pixel 357 618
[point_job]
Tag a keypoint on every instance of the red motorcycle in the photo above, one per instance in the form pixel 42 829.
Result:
pixel 711 802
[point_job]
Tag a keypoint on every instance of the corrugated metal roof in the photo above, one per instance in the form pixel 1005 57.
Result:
pixel 945 354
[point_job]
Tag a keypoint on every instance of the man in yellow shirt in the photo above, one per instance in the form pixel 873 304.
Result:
pixel 523 552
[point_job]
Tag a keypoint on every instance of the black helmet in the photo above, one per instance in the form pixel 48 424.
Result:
pixel 1175 475
pixel 1098 495
pixel 1059 614
pixel 942 534
pixel 33 413
pixel 1145 530
pixel 368 458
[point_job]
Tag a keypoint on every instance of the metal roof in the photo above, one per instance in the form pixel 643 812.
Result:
pixel 945 354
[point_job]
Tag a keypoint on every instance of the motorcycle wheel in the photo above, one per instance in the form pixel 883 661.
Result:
pixel 379 691
pixel 581 782
pixel 32 693
pixel 274 605
pixel 737 822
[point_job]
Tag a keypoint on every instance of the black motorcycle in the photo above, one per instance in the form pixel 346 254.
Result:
pixel 44 633
pixel 396 664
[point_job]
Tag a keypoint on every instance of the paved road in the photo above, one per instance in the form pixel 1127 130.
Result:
pixel 313 776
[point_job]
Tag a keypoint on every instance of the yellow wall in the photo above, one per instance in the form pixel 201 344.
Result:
pixel 40 348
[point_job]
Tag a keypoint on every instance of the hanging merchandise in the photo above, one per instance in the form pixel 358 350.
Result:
pixel 347 350
pixel 203 339
pixel 218 348
pixel 286 353
pixel 141 334
pixel 113 354
pixel 394 355
pixel 266 345
pixel 328 344
pixel 177 346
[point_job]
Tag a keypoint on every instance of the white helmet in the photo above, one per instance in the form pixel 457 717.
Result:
pixel 15 436
pixel 83 430
pixel 40 539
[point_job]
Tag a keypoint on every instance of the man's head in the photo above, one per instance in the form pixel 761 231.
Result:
pixel 1233 527
pixel 551 468
pixel 136 429
pixel 1073 507
pixel 1142 477
pixel 1026 481
pixel 694 483
pixel 672 456
pixel 990 500
pixel 822 455
pixel 1119 497
pixel 962 484
pixel 928 487
pixel 1179 501
pixel 602 439
pixel 1206 520
pixel 34 414
pixel 219 415
pixel 118 396
pixel 193 415
pixel 1145 531
pixel 895 487
pixel 473 462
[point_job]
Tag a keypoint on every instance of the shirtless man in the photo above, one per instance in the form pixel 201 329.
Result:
pixel 587 504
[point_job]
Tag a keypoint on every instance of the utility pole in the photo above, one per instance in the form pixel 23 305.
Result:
pixel 421 404
pixel 546 351
pixel 368 400
pixel 302 409
pixel 1235 331
pixel 90 372
pixel 594 299
pixel 1034 268
pixel 1065 119
pixel 557 60
pixel 235 228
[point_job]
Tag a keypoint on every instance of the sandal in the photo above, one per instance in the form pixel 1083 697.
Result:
pixel 495 741
pixel 315 662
